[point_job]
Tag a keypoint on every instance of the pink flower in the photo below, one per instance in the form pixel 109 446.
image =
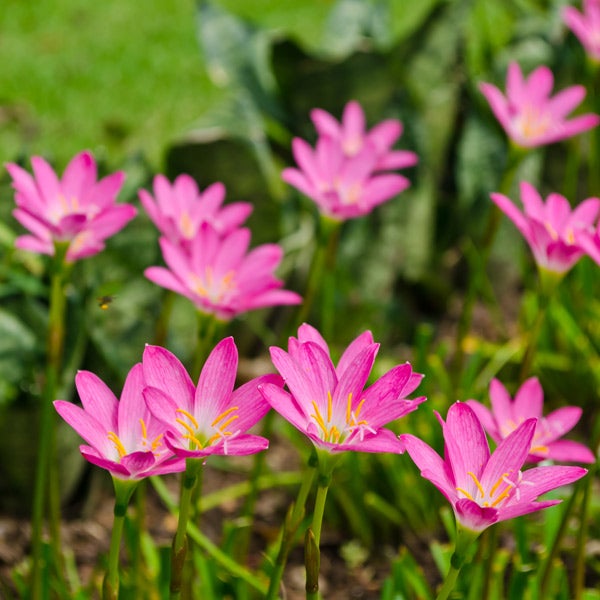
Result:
pixel 330 405
pixel 218 274
pixel 211 418
pixel 586 26
pixel 343 173
pixel 76 209
pixel 486 488
pixel 179 209
pixel 506 415
pixel 529 115
pixel 123 436
pixel 551 229
pixel 352 136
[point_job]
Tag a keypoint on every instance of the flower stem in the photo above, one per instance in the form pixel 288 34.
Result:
pixel 463 551
pixel 322 272
pixel 46 482
pixel 312 551
pixel 290 529
pixel 208 327
pixel 180 543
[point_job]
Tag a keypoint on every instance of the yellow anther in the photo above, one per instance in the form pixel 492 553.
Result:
pixel 193 439
pixel 359 408
pixel 539 450
pixel 476 481
pixel 349 408
pixel 465 493
pixel 318 418
pixel 156 442
pixel 189 416
pixel 230 420
pixel 329 406
pixel 223 415
pixel 144 430
pixel 503 495
pixel 498 484
pixel 114 438
pixel 190 431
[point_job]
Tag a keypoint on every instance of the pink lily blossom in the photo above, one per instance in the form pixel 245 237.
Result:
pixel 123 436
pixel 586 26
pixel 212 417
pixel 529 115
pixel 218 274
pixel 485 488
pixel 179 209
pixel 506 415
pixel 76 209
pixel 343 173
pixel 330 405
pixel 551 229
pixel 351 134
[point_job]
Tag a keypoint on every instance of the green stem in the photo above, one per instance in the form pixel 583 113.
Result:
pixel 463 551
pixel 46 481
pixel 580 550
pixel 322 271
pixel 123 491
pixel 547 284
pixel 449 583
pixel 179 549
pixel 208 327
pixel 290 529
pixel 162 324
pixel 312 551
pixel 478 267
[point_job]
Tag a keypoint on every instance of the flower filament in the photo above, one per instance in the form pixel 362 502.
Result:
pixel 489 499
pixel 197 438
pixel 330 432
pixel 206 287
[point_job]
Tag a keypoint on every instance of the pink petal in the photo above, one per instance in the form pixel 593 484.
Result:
pixel 486 418
pixel 529 400
pixel 570 451
pixel 383 441
pixel 475 517
pixel 355 347
pixel 563 420
pixel 284 403
pixel 98 399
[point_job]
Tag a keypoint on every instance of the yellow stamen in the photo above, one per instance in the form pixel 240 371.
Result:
pixel 230 420
pixel 476 481
pixel 156 442
pixel 359 408
pixel 223 415
pixel 194 439
pixel 144 430
pixel 539 450
pixel 349 408
pixel 318 418
pixel 498 484
pixel 189 416
pixel 329 404
pixel 191 431
pixel 466 494
pixel 503 495
pixel 114 438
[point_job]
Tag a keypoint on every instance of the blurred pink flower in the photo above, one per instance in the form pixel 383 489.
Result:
pixel 179 209
pixel 211 418
pixel 343 174
pixel 551 229
pixel 586 26
pixel 76 209
pixel 123 436
pixel 529 115
pixel 506 415
pixel 220 276
pixel 486 488
pixel 329 404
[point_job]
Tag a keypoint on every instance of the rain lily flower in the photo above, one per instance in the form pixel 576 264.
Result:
pixel 486 488
pixel 351 135
pixel 76 209
pixel 212 417
pixel 343 173
pixel 123 436
pixel 506 415
pixel 218 274
pixel 330 405
pixel 550 228
pixel 529 115
pixel 586 26
pixel 179 209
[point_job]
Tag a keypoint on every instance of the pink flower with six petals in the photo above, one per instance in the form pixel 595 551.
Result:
pixel 218 274
pixel 123 436
pixel 76 209
pixel 330 405
pixel 343 174
pixel 212 417
pixel 485 488
pixel 529 115
pixel 506 415
pixel 179 209
pixel 551 229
